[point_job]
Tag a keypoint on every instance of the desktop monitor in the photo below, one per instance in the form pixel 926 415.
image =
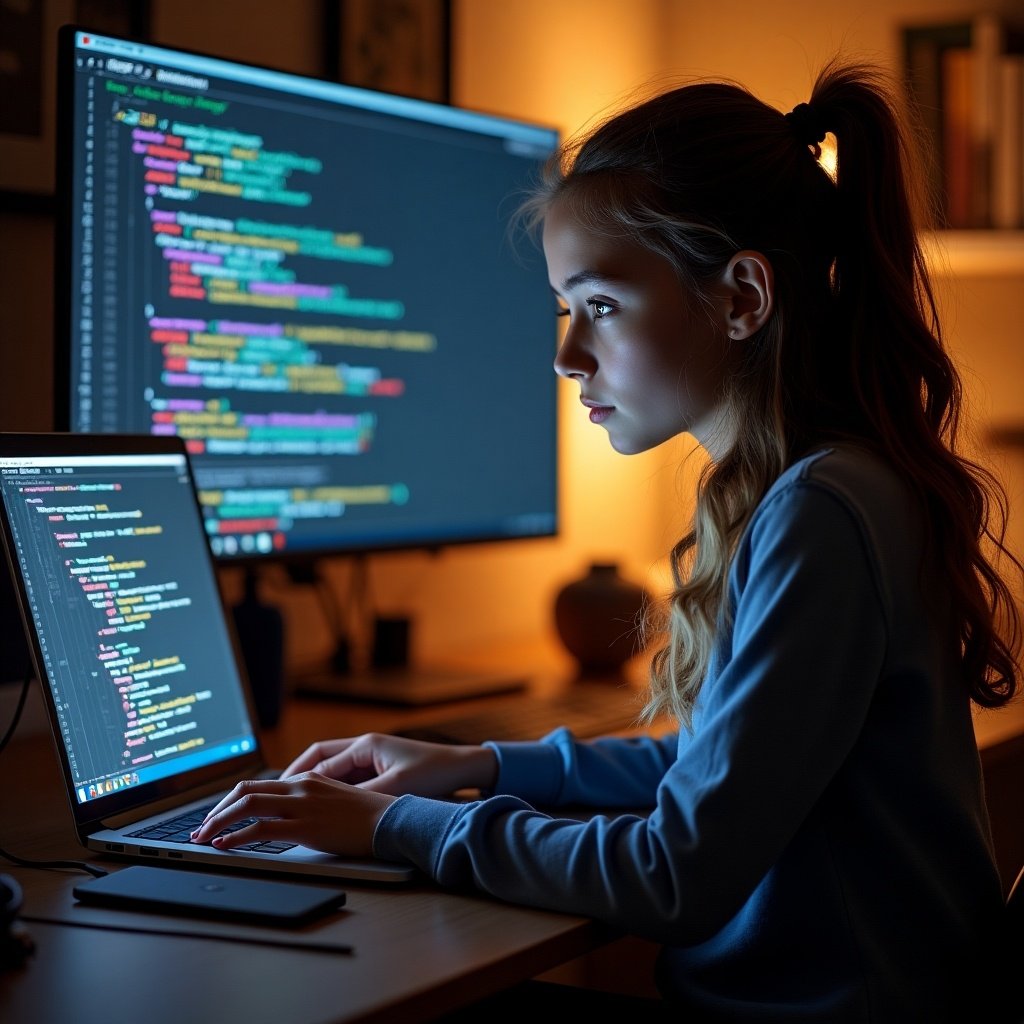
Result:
pixel 315 286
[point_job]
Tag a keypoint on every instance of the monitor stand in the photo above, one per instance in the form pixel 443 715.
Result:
pixel 407 686
pixel 371 661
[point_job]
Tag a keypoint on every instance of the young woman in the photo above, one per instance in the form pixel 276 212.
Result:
pixel 817 847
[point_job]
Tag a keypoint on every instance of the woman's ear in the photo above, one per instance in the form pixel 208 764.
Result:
pixel 749 286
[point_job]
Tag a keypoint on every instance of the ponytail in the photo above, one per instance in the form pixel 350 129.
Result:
pixel 903 377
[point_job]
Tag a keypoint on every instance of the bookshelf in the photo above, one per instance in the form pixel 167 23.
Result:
pixel 965 86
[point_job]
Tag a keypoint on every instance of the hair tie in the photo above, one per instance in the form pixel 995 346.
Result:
pixel 806 125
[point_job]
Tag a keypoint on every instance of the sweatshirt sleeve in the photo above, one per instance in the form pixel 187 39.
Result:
pixel 561 770
pixel 777 717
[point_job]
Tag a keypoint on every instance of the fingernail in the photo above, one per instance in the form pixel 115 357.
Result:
pixel 217 840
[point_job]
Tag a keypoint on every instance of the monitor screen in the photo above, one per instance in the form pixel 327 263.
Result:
pixel 315 286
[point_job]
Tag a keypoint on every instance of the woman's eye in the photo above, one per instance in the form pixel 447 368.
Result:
pixel 600 308
pixel 561 311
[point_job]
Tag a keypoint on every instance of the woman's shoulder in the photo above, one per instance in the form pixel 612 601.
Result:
pixel 853 482
pixel 854 474
pixel 849 503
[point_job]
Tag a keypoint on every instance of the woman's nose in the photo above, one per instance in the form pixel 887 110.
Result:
pixel 572 360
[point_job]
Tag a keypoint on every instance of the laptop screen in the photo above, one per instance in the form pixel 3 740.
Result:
pixel 131 635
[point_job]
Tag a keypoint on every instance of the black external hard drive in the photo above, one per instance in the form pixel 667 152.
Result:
pixel 199 894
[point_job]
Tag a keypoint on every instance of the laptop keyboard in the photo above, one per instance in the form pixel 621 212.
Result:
pixel 179 829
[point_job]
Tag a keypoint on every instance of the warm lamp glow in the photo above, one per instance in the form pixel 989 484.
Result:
pixel 829 157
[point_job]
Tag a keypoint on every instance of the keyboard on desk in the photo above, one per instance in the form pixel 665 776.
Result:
pixel 178 829
pixel 588 710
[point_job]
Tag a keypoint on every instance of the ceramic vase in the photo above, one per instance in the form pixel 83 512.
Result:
pixel 597 616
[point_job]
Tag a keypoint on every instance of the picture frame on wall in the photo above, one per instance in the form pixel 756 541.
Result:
pixel 395 46
pixel 28 86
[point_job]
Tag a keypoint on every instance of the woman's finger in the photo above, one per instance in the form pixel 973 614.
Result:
pixel 246 800
pixel 316 754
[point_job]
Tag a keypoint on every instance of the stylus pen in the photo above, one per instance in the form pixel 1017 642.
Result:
pixel 312 947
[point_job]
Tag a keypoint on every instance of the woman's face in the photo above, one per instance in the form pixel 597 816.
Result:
pixel 649 359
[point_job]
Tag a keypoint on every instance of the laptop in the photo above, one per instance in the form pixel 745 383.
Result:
pixel 145 690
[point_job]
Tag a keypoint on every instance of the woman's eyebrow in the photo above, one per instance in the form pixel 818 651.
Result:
pixel 583 277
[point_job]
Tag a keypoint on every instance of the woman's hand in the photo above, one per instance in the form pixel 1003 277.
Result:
pixel 331 797
pixel 310 809
pixel 392 764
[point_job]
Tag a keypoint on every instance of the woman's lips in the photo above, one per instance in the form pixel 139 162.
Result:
pixel 598 413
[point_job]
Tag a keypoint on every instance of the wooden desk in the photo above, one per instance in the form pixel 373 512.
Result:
pixel 418 952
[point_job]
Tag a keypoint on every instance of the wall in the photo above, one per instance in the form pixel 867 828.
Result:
pixel 561 63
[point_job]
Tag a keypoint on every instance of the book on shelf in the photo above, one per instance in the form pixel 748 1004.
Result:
pixel 1008 154
pixel 963 79
pixel 958 166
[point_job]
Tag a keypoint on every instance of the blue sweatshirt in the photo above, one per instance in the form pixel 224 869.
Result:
pixel 817 847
